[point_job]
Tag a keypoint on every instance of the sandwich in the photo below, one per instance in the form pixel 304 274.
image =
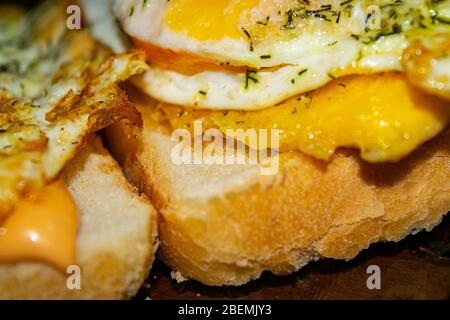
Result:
pixel 276 133
pixel 71 225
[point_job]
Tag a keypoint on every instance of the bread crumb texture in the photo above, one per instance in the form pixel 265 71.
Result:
pixel 116 239
pixel 225 225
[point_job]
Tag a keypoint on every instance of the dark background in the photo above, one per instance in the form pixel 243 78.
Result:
pixel 26 3
pixel 416 268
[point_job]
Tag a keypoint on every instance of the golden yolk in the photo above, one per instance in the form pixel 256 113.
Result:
pixel 42 228
pixel 382 115
pixel 208 19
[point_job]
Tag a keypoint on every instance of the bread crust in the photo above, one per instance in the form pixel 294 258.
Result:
pixel 116 240
pixel 225 225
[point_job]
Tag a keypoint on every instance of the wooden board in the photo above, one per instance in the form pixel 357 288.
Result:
pixel 415 268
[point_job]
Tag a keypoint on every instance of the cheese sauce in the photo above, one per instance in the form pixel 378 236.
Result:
pixel 42 228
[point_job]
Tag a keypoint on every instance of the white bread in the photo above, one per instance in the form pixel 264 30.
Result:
pixel 116 241
pixel 225 225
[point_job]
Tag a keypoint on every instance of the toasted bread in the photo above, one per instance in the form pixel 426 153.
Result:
pixel 116 241
pixel 226 224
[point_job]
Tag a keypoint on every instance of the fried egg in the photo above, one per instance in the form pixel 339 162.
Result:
pixel 427 64
pixel 56 86
pixel 382 115
pixel 248 55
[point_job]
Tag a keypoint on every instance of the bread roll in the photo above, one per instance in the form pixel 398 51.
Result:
pixel 116 241
pixel 226 224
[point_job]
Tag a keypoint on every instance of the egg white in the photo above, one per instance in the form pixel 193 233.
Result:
pixel 326 49
pixel 147 24
pixel 226 90
pixel 56 86
pixel 308 36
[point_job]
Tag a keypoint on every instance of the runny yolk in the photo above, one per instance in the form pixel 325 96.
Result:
pixel 42 228
pixel 208 19
pixel 382 115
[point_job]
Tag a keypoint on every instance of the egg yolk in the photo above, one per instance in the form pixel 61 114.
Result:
pixel 42 228
pixel 382 115
pixel 208 19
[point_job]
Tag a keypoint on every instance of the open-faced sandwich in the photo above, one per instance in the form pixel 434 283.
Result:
pixel 71 226
pixel 267 134
pixel 356 94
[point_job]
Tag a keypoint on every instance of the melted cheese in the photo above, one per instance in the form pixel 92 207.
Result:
pixel 42 228
pixel 206 19
pixel 382 115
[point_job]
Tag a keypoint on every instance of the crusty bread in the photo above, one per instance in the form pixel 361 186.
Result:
pixel 116 240
pixel 225 225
